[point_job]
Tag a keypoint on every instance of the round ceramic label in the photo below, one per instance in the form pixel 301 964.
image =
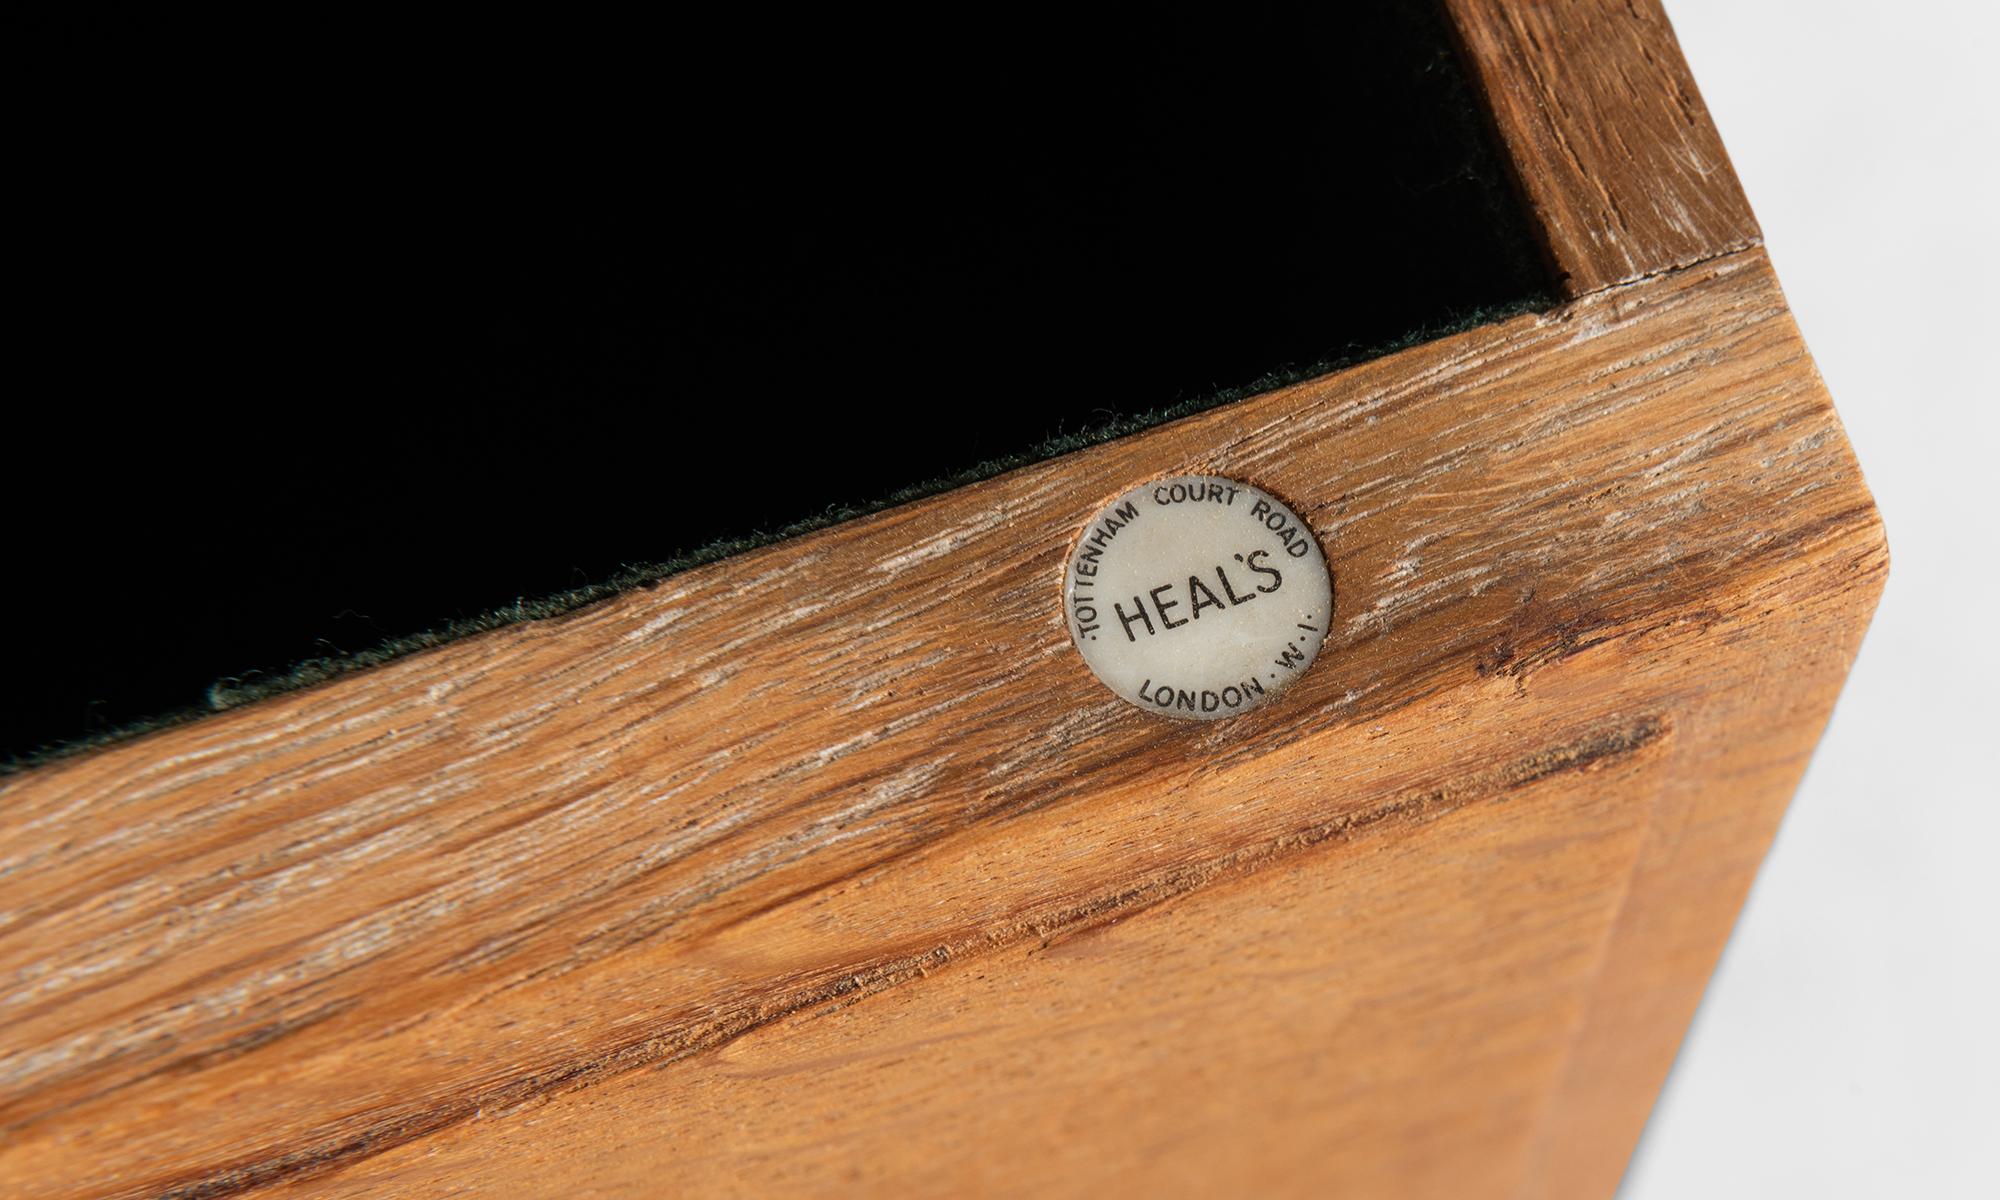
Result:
pixel 1198 597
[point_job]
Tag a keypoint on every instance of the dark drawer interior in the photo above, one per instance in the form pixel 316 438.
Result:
pixel 501 320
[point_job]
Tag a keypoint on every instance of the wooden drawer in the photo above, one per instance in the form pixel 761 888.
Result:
pixel 827 868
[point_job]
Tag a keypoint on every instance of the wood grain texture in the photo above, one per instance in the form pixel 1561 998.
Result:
pixel 1609 140
pixel 831 865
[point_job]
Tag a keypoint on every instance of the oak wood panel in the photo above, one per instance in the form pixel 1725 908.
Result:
pixel 1776 660
pixel 419 906
pixel 1390 1008
pixel 1303 1031
pixel 1608 138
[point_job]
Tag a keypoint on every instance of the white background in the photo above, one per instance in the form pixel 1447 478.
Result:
pixel 1850 1044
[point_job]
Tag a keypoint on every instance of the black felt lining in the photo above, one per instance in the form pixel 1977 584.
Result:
pixel 138 271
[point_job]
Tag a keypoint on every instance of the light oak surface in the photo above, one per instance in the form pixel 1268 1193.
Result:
pixel 1610 142
pixel 853 800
